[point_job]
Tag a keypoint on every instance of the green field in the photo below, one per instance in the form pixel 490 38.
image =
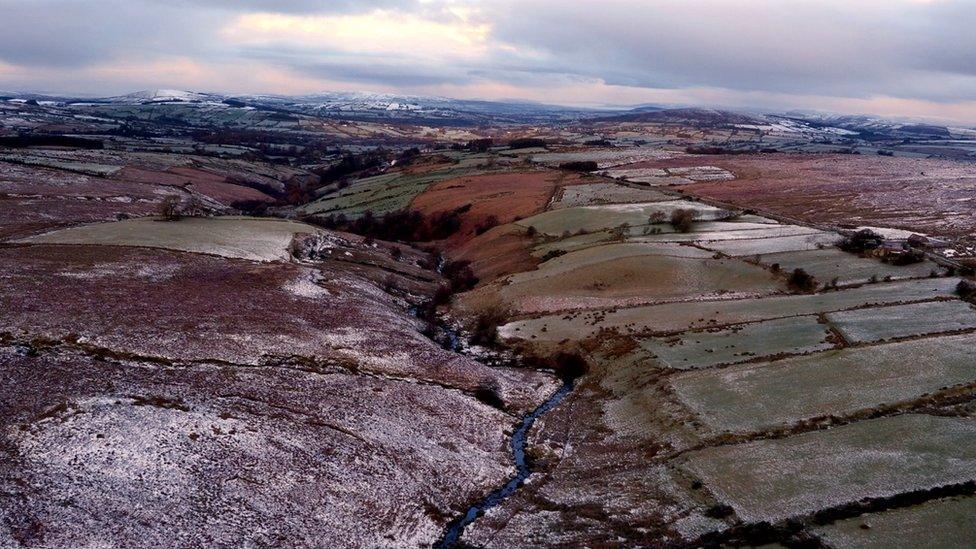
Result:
pixel 881 323
pixel 777 479
pixel 740 343
pixel 771 394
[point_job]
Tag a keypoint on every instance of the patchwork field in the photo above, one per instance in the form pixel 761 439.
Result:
pixel 392 191
pixel 939 523
pixel 772 244
pixel 881 323
pixel 828 264
pixel 631 274
pixel 759 396
pixel 739 343
pixel 606 193
pixel 771 480
pixel 678 317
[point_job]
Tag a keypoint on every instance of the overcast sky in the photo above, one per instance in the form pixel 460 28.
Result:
pixel 912 58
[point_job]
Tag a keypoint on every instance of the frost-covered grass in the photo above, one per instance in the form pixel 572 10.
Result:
pixel 767 245
pixel 740 343
pixel 828 264
pixel 597 218
pixel 678 317
pixel 757 396
pixel 881 323
pixel 776 479
pixel 936 524
pixel 606 193
pixel 238 237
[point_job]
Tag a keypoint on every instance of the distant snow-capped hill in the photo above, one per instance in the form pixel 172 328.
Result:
pixel 159 96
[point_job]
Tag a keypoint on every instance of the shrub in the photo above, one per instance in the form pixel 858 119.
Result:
pixel 460 275
pixel 487 318
pixel 531 231
pixel 396 253
pixel 966 289
pixel 801 280
pixel 552 254
pixel 486 225
pixel 683 219
pixel 491 394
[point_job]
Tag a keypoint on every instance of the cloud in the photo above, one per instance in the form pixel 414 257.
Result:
pixel 914 55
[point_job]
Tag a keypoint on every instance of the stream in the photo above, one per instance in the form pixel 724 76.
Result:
pixel 450 338
pixel 523 470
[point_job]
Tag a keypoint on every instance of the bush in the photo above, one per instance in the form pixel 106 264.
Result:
pixel 460 275
pixel 487 319
pixel 531 231
pixel 488 224
pixel 683 220
pixel 552 254
pixel 568 365
pixel 491 394
pixel 966 289
pixel 801 280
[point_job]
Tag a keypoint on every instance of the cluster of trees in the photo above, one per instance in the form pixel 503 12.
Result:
pixel 24 141
pixel 580 166
pixel 475 145
pixel 174 208
pixel 353 163
pixel 527 143
pixel 860 242
pixel 398 226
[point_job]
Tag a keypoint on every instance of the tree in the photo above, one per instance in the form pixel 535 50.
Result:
pixel 683 220
pixel 169 208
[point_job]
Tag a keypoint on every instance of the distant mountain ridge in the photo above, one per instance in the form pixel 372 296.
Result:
pixel 443 111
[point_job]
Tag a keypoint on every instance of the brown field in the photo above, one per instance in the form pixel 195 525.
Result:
pixel 929 195
pixel 507 196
